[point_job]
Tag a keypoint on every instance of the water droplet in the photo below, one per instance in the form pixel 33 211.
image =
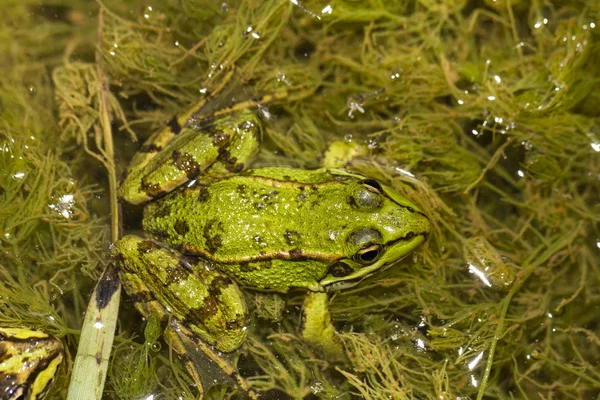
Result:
pixel 373 144
pixel 327 9
pixel 316 387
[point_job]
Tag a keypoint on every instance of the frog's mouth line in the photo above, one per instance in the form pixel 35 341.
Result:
pixel 344 282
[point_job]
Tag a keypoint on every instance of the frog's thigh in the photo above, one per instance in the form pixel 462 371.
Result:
pixel 213 146
pixel 163 284
pixel 316 327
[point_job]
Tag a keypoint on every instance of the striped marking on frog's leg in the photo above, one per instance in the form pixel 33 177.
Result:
pixel 242 148
pixel 178 334
pixel 211 304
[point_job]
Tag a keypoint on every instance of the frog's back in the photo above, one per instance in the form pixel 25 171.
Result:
pixel 251 219
pixel 271 228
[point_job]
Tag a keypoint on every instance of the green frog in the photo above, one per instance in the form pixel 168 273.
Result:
pixel 213 225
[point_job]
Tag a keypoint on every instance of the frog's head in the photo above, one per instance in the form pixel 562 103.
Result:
pixel 387 228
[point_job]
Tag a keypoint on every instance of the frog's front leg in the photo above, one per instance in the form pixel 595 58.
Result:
pixel 202 149
pixel 316 327
pixel 202 304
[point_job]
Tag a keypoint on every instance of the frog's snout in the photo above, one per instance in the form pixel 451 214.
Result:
pixel 407 223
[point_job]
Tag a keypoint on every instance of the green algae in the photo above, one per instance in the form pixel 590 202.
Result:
pixel 491 105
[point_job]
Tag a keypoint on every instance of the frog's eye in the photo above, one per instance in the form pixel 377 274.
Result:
pixel 368 254
pixel 365 237
pixel 371 185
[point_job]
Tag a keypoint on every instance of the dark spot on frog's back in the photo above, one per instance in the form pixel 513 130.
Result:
pixel 236 168
pixel 212 239
pixel 292 238
pixel 254 266
pixel 181 227
pixel 186 163
pixel 241 189
pixel 214 243
pixel 244 266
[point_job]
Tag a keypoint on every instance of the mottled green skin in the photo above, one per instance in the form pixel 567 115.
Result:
pixel 278 228
pixel 162 282
pixel 268 228
pixel 206 149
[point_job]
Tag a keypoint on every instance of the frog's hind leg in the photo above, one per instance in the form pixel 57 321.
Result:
pixel 190 300
pixel 213 146
pixel 192 145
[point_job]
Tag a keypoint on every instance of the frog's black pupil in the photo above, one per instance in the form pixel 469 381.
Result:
pixel 373 184
pixel 370 255
pixel 410 235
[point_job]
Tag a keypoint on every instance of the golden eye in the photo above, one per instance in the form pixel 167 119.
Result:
pixel 368 254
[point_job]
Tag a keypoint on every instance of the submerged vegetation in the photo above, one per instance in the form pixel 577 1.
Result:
pixel 484 112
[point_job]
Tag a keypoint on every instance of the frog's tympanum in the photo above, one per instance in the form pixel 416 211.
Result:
pixel 212 225
pixel 29 361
